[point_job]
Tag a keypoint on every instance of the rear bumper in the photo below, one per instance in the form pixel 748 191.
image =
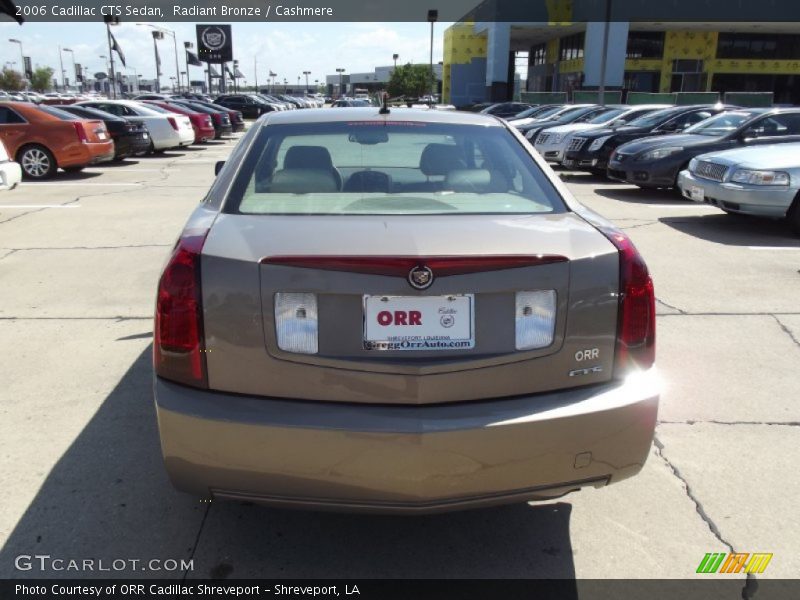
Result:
pixel 758 200
pixel 236 127
pixel 223 130
pixel 10 175
pixel 130 144
pixel 203 134
pixel 404 459
pixel 81 155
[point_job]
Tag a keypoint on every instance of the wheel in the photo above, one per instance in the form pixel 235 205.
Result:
pixel 793 215
pixel 73 169
pixel 37 162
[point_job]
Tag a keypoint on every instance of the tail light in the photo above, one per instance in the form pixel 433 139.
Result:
pixel 81 131
pixel 179 343
pixel 636 323
pixel 208 121
pixel 173 122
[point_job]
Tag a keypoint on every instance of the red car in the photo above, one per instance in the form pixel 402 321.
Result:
pixel 202 124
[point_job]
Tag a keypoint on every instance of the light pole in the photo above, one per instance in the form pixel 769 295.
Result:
pixel 105 67
pixel 340 71
pixel 433 16
pixel 22 58
pixel 135 78
pixel 306 73
pixel 73 62
pixel 109 21
pixel 170 32
pixel 63 74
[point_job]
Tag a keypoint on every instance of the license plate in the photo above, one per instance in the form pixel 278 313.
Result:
pixel 568 162
pixel 696 193
pixel 420 324
pixel 101 136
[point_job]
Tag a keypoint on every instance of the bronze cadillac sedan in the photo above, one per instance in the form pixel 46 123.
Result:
pixel 400 311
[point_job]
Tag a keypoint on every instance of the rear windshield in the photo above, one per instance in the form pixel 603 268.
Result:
pixel 396 167
pixel 158 109
pixel 58 113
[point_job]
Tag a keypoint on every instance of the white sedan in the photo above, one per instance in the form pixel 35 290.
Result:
pixel 10 171
pixel 167 130
pixel 552 143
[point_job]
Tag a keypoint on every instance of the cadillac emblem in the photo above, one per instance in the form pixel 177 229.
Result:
pixel 420 277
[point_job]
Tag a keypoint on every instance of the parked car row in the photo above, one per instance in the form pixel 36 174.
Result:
pixel 252 105
pixel 739 160
pixel 43 138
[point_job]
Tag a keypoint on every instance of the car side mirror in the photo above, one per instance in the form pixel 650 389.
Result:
pixel 218 167
pixel 751 133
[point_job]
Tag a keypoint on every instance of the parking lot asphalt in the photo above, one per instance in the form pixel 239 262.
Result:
pixel 82 476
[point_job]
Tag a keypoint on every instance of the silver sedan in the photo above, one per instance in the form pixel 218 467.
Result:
pixel 759 180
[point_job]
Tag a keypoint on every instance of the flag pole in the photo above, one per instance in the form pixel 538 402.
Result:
pixel 111 58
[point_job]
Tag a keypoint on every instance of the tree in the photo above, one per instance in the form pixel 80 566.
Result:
pixel 411 80
pixel 42 79
pixel 11 81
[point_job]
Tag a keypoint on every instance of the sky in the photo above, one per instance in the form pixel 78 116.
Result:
pixel 287 49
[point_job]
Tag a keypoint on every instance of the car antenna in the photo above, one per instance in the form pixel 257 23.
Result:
pixel 385 107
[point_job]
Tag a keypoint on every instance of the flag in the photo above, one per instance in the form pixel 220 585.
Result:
pixel 212 71
pixel 158 58
pixel 271 74
pixel 115 47
pixel 7 7
pixel 191 58
pixel 238 73
pixel 228 69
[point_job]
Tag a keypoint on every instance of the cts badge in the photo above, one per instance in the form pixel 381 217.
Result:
pixel 586 371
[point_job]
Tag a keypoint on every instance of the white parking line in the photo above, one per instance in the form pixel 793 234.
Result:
pixel 2 206
pixel 127 170
pixel 76 184
pixel 773 247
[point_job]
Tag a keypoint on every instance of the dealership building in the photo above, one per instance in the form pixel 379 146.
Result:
pixel 480 58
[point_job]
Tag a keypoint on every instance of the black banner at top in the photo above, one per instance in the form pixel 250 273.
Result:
pixel 534 12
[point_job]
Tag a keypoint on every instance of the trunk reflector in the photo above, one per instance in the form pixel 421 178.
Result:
pixel 296 322
pixel 535 319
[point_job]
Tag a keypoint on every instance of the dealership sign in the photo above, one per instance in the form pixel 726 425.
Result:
pixel 214 43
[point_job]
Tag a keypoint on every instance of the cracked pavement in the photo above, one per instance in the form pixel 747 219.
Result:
pixel 83 474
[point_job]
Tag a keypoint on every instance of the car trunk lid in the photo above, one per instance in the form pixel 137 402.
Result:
pixel 350 265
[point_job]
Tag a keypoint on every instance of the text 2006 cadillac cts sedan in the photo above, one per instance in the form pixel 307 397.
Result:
pixel 400 312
